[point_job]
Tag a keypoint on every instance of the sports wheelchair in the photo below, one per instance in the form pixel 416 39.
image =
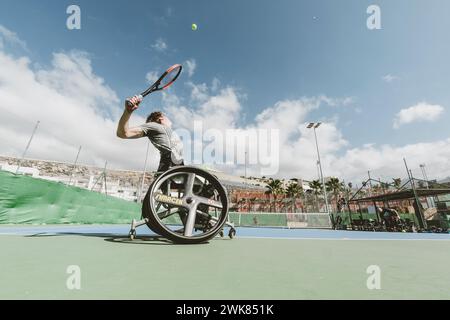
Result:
pixel 186 205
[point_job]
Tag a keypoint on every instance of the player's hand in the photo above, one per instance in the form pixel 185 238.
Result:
pixel 132 104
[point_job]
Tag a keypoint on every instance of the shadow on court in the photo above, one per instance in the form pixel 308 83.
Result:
pixel 139 240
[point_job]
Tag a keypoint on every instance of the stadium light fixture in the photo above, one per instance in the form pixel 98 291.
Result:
pixel 314 126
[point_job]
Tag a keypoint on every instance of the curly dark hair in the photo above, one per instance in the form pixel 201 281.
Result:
pixel 154 116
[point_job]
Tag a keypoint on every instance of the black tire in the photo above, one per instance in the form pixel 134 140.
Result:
pixel 157 226
pixel 146 213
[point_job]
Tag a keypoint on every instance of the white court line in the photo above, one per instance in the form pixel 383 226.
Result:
pixel 341 239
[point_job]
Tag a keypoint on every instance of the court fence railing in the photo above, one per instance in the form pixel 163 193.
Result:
pixel 283 220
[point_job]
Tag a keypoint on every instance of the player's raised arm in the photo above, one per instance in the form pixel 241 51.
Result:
pixel 123 130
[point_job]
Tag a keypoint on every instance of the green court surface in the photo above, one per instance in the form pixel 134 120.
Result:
pixel 112 267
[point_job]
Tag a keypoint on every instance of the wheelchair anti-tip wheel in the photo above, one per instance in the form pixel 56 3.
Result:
pixel 186 205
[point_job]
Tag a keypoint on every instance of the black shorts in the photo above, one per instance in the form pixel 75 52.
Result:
pixel 165 162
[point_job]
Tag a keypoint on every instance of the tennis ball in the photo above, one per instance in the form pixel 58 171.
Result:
pixel 194 27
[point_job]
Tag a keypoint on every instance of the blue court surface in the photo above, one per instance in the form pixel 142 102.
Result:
pixel 260 263
pixel 242 232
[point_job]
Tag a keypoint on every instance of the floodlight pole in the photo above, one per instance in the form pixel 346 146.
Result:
pixel 74 165
pixel 416 198
pixel 318 169
pixel 104 177
pixel 314 126
pixel 245 173
pixel 143 173
pixel 26 148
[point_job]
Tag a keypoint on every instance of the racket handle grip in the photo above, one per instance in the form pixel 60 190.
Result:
pixel 130 104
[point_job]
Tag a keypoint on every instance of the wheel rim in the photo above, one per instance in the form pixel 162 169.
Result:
pixel 189 198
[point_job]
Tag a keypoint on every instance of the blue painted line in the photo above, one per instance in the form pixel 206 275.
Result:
pixel 270 233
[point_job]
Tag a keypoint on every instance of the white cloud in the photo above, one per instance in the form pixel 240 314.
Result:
pixel 389 78
pixel 72 76
pixel 170 99
pixel 190 67
pixel 160 45
pixel 215 84
pixel 199 92
pixel 223 111
pixel 70 101
pixel 152 76
pixel 335 102
pixel 217 111
pixel 7 36
pixel 386 161
pixel 422 111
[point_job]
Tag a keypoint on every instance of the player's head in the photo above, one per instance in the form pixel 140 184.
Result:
pixel 159 117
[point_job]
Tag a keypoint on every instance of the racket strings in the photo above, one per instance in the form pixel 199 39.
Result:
pixel 170 77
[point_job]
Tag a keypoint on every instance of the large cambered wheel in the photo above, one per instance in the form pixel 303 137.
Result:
pixel 186 205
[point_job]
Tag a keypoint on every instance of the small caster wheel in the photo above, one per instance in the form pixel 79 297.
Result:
pixel 221 233
pixel 232 233
pixel 132 235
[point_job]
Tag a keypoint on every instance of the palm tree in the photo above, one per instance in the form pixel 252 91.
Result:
pixel 397 182
pixel 274 187
pixel 252 203
pixel 316 186
pixel 376 189
pixel 293 191
pixel 241 204
pixel 334 186
pixel 384 186
pixel 348 191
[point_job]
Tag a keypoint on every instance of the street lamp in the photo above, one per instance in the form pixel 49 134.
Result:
pixel 314 126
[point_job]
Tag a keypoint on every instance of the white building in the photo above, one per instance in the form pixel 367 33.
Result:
pixel 22 170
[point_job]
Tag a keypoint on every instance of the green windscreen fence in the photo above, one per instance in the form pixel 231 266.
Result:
pixel 26 200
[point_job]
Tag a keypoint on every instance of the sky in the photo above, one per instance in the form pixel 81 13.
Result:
pixel 382 95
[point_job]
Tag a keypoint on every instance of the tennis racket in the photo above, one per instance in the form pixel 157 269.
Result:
pixel 165 81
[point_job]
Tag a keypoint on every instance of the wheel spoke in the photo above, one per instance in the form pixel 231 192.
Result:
pixel 167 213
pixel 189 187
pixel 172 201
pixel 190 222
pixel 210 202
